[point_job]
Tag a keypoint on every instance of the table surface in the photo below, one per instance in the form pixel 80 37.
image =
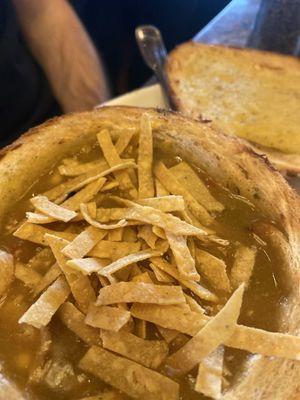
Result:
pixel 232 26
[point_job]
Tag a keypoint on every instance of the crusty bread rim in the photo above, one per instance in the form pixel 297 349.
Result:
pixel 225 158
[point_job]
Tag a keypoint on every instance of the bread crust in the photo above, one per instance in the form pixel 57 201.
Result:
pixel 234 165
pixel 223 86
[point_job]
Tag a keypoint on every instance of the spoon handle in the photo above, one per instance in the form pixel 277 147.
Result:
pixel 154 53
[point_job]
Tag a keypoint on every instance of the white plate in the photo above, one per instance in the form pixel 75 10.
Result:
pixel 151 96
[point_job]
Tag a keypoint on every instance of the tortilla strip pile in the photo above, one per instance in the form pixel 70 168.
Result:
pixel 131 273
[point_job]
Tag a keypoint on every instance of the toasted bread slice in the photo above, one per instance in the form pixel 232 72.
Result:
pixel 248 93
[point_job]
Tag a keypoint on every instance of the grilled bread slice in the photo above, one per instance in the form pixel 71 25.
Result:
pixel 248 93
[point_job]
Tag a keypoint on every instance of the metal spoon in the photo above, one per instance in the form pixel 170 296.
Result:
pixel 154 53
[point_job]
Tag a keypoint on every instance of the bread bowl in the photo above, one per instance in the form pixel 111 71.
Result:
pixel 228 161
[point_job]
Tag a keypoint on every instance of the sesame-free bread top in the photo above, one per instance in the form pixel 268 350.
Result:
pixel 249 93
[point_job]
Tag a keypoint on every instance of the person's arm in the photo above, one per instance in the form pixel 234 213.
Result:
pixel 62 47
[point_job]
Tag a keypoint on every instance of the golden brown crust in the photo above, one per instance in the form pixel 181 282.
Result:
pixel 226 159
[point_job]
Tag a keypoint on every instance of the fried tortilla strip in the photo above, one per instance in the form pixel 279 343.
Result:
pixel 84 242
pixel 160 189
pixel 152 216
pixel 61 191
pixel 185 174
pixel 192 247
pixel 84 195
pixel 92 210
pixel 171 317
pixel 110 185
pixel 244 338
pixel 116 235
pixel 108 318
pixel 211 237
pixel 142 277
pixel 140 292
pixel 27 275
pixel 216 332
pixel 112 157
pixel 184 260
pixel 165 204
pixel 73 319
pixel 129 327
pixel 194 305
pixel 46 207
pixel 244 260
pixel 7 270
pixel 194 287
pixel 150 353
pixel 35 233
pixel 145 158
pixel 170 203
pixel 40 313
pixel 210 374
pixel 87 265
pixel 159 232
pixel 128 260
pixel 160 275
pixel 111 214
pixel 86 215
pixel 162 246
pixel 50 276
pixel 131 378
pixel 168 334
pixel 174 186
pixel 114 250
pixel 36 218
pixel 266 343
pixel 103 281
pixel 82 168
pixel 213 269
pixel 107 214
pixel 80 285
pixel 123 141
